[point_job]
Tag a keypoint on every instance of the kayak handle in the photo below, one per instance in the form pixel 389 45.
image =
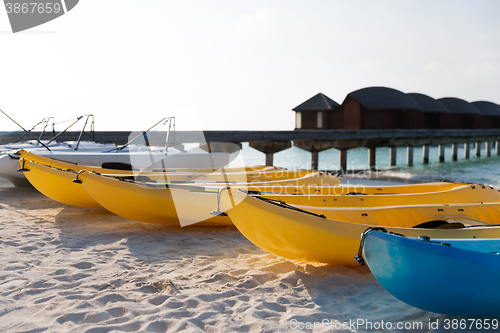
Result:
pixel 359 257
pixel 23 169
pixel 218 212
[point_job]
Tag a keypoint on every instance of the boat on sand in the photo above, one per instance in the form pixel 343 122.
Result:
pixel 450 276
pixel 305 236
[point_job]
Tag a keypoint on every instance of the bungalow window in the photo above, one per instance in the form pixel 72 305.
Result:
pixel 319 120
pixel 298 119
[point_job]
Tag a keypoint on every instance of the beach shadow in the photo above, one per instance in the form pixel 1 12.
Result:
pixel 87 227
pixel 343 294
pixel 155 244
pixel 26 198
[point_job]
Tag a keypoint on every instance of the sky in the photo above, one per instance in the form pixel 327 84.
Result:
pixel 241 65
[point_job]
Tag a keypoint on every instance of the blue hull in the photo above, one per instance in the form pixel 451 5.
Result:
pixel 452 280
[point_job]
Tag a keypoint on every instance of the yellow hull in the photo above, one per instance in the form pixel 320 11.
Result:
pixel 353 190
pixel 158 205
pixel 408 216
pixel 278 179
pixel 322 183
pixel 460 193
pixel 300 236
pixel 246 174
pixel 58 184
pixel 153 205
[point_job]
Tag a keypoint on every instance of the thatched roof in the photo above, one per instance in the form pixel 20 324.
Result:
pixel 384 98
pixel 318 102
pixel 428 103
pixel 457 105
pixel 487 108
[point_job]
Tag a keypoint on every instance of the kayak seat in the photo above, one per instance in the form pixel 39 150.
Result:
pixel 117 166
pixel 439 224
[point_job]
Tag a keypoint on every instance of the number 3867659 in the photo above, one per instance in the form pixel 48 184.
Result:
pixel 33 7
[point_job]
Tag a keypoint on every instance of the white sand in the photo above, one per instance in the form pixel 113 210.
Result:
pixel 83 270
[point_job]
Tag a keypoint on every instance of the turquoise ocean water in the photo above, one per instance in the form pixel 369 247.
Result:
pixel 483 170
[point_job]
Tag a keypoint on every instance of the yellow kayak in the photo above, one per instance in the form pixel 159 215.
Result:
pixel 408 216
pixel 246 174
pixel 59 184
pixel 301 236
pixel 154 205
pixel 163 205
pixel 460 193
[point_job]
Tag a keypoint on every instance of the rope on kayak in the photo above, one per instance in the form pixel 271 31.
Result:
pixel 285 205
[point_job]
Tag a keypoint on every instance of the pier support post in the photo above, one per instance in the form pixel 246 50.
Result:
pixel 478 149
pixel 441 153
pixel 314 160
pixel 221 147
pixel 409 156
pixel 392 156
pixel 269 159
pixel 454 152
pixel 497 147
pixel 270 148
pixel 371 158
pixel 488 148
pixel 314 147
pixel 343 160
pixel 466 150
pixel 425 154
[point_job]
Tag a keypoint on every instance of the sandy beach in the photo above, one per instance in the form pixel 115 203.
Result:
pixel 86 270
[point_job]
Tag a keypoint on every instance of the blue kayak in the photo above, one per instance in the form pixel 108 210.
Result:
pixel 447 276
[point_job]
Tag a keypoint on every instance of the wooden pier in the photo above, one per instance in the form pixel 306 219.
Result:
pixel 315 141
